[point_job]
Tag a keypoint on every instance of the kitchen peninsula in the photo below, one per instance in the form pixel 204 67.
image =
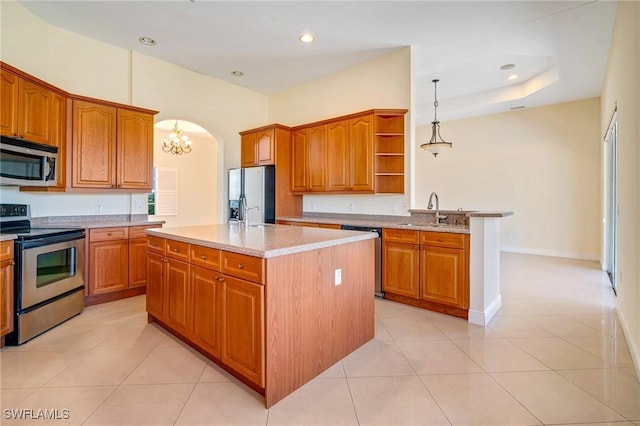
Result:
pixel 273 305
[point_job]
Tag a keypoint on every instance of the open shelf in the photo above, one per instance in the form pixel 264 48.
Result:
pixel 389 164
pixel 390 184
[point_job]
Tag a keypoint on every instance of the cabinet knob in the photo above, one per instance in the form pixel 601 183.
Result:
pixel 240 266
pixel 11 262
pixel 221 279
pixel 109 234
pixel 204 257
pixel 113 186
pixel 175 250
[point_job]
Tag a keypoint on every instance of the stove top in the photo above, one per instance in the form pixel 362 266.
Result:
pixel 14 219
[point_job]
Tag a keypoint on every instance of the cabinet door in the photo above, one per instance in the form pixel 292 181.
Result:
pixel 265 147
pixel 109 266
pixel 317 158
pixel 6 297
pixel 248 150
pixel 361 138
pixel 9 104
pixel 400 268
pixel 33 112
pixel 155 285
pixel 206 309
pixel 135 150
pixel 94 145
pixel 137 262
pixel 58 135
pixel 442 276
pixel 243 328
pixel 338 156
pixel 177 306
pixel 299 173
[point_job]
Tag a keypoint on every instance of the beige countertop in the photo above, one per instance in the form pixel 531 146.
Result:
pixel 7 237
pixel 261 240
pixel 398 223
pixel 93 221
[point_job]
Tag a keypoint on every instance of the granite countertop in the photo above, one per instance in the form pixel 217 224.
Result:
pixel 93 221
pixel 261 240
pixel 7 237
pixel 400 222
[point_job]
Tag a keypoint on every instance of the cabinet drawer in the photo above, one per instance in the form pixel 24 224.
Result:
pixel 177 250
pixel 401 235
pixel 442 239
pixel 6 250
pixel 108 234
pixel 243 266
pixel 139 231
pixel 204 256
pixel 156 244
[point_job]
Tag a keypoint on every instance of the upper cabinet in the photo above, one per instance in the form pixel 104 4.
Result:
pixel 362 153
pixel 258 147
pixel 112 147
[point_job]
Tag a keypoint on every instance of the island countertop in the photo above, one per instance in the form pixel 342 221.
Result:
pixel 264 241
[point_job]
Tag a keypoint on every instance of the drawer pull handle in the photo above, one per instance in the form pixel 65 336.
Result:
pixel 109 234
pixel 221 279
pixel 204 257
pixel 240 266
pixel 175 250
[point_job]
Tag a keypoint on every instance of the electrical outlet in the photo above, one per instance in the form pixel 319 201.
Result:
pixel 338 277
pixel 138 204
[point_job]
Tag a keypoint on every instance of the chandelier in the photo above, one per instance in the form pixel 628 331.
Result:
pixel 177 143
pixel 436 143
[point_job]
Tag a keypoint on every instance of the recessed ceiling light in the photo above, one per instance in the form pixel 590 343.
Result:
pixel 516 107
pixel 507 67
pixel 306 38
pixel 513 76
pixel 147 40
pixel 237 73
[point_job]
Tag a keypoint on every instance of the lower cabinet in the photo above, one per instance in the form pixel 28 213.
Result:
pixel 204 302
pixel 427 269
pixel 6 288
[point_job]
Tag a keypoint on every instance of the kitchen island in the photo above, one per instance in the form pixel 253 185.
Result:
pixel 273 305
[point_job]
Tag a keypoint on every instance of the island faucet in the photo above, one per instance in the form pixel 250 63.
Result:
pixel 243 217
pixel 430 206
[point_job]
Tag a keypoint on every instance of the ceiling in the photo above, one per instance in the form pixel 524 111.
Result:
pixel 560 48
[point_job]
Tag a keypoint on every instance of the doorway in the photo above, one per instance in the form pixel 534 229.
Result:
pixel 611 201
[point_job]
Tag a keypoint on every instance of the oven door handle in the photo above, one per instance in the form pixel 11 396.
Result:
pixel 48 240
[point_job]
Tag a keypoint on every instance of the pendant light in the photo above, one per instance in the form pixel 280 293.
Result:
pixel 436 143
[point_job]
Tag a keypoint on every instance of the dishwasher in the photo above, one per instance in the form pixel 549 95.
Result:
pixel 378 251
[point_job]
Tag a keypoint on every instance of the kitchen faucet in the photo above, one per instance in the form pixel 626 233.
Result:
pixel 243 217
pixel 430 206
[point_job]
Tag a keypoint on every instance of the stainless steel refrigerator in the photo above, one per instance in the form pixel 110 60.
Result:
pixel 255 188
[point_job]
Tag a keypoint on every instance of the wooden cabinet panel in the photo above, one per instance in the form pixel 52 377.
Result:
pixel 156 244
pixel 299 172
pixel 400 263
pixel 135 149
pixel 265 147
pixel 177 288
pixel 243 328
pixel 317 149
pixel 108 234
pixel 140 231
pixel 137 262
pixel 58 135
pixel 177 250
pixel 206 309
pixel 243 266
pixel 401 235
pixel 442 276
pixel 205 257
pixel 361 145
pixel 6 296
pixel 9 105
pixel 94 145
pixel 442 239
pixel 6 250
pixel 248 150
pixel 109 266
pixel 33 112
pixel 155 285
pixel 339 160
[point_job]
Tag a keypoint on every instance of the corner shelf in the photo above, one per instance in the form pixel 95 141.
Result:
pixel 389 151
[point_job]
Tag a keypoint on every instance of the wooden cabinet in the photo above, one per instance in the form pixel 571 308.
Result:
pixel 362 152
pixel 272 145
pixel 427 269
pixel 213 298
pixel 112 147
pixel 58 136
pixel 6 288
pixel 258 148
pixel 117 262
pixel 9 103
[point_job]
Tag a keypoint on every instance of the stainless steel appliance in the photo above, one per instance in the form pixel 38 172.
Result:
pixel 24 163
pixel 378 285
pixel 252 194
pixel 48 274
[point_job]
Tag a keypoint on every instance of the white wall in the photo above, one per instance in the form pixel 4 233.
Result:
pixel 384 82
pixel 87 67
pixel 541 163
pixel 621 88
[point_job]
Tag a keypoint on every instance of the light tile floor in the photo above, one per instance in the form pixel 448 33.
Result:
pixel 554 354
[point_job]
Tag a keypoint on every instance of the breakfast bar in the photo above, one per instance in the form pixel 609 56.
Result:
pixel 273 305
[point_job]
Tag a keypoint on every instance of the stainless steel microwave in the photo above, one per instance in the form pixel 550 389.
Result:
pixel 24 163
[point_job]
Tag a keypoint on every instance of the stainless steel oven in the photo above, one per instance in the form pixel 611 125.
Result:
pixel 48 275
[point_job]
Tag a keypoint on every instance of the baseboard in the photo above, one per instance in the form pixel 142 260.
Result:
pixel 631 342
pixel 551 253
pixel 483 318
